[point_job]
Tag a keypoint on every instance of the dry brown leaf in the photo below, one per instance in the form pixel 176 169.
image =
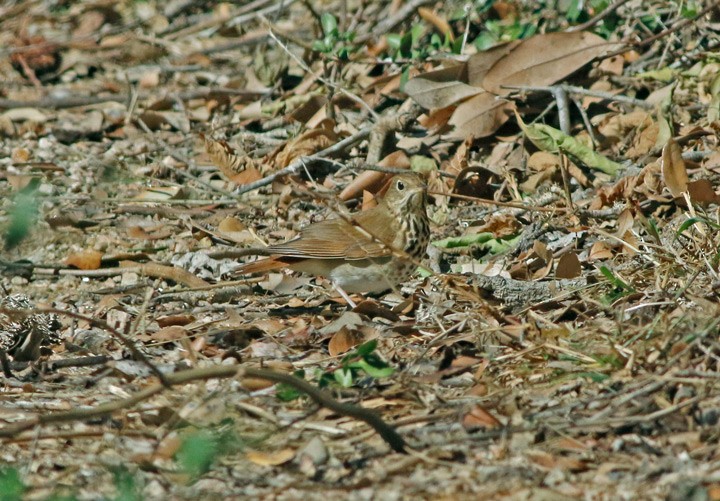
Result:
pixel 368 200
pixel 500 225
pixel 568 266
pixel 344 340
pixel 480 116
pixel 231 225
pixel 274 458
pixel 702 191
pixel 674 173
pixel 85 260
pixel 612 65
pixel 440 24
pixel 644 141
pixel 481 63
pixel 447 86
pixel 441 88
pixel 600 251
pixel 479 417
pixel 157 233
pixel 234 165
pixel 436 121
pixel 170 333
pixel 544 59
pixel 307 143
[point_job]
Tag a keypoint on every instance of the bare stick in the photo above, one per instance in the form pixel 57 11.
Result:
pixel 387 432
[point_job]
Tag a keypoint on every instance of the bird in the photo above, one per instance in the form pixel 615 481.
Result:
pixel 368 252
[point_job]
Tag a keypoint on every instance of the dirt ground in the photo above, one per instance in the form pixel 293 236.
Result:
pixel 558 341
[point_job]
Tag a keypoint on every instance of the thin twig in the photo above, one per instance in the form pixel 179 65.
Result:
pixel 514 205
pixel 570 89
pixel 599 17
pixel 299 163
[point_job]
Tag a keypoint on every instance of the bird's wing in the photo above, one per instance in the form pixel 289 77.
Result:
pixel 332 238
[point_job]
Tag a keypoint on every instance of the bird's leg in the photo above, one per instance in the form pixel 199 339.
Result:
pixel 344 295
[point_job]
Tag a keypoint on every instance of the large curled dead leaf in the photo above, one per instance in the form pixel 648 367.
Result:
pixel 544 59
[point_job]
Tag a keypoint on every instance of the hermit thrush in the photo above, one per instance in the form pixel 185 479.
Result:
pixel 370 251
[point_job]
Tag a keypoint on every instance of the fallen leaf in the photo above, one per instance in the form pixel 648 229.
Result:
pixel 674 173
pixel 702 191
pixel 231 163
pixel 480 116
pixel 170 333
pixel 600 251
pixel 85 260
pixel 274 458
pixel 344 340
pixel 568 266
pixel 544 59
pixel 478 417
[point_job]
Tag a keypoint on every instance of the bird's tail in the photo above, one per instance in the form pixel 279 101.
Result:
pixel 260 266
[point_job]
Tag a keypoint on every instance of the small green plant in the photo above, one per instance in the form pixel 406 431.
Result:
pixel 127 488
pixel 334 42
pixel 11 487
pixel 198 452
pixel 23 214
pixel 620 288
pixel 497 31
pixel 200 449
pixel 362 361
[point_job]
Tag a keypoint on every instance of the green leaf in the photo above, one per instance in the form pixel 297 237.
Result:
pixel 615 280
pixel 596 377
pixel 484 41
pixel 11 487
pixel 197 453
pixel 364 349
pixel 319 46
pixel 416 33
pixel 394 40
pixel 405 48
pixel 287 393
pixel 687 224
pixel 422 164
pixel 464 241
pixel 329 24
pixel 23 215
pixel 373 370
pixel 456 46
pixel 124 481
pixel 404 77
pixel 553 140
pixel 344 377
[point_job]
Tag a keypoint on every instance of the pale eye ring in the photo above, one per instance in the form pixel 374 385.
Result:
pixel 400 186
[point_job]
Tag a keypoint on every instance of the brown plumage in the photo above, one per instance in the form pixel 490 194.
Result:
pixel 371 251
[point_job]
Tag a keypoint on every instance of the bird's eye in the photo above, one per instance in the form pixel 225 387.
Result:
pixel 400 185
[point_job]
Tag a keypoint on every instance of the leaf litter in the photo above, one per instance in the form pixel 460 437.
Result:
pixel 559 340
